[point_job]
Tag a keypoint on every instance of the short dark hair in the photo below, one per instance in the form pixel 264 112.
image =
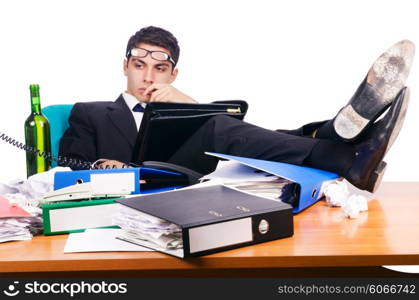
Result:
pixel 155 36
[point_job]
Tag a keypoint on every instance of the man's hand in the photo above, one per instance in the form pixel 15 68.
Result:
pixel 109 164
pixel 160 92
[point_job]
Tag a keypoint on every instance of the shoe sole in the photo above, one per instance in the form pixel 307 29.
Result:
pixel 386 78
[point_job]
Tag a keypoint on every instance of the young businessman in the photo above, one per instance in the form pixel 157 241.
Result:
pixel 351 144
pixel 107 130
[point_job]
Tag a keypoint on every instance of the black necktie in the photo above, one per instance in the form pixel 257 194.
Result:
pixel 138 108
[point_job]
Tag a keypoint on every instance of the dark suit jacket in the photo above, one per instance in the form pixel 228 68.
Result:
pixel 100 130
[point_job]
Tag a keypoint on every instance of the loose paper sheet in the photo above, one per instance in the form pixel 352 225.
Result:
pixel 99 240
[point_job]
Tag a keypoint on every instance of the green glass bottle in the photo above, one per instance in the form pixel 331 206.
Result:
pixel 37 136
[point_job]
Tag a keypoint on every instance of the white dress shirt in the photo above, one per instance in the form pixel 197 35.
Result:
pixel 131 101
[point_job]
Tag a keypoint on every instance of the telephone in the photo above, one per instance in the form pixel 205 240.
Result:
pixel 76 192
pixel 191 176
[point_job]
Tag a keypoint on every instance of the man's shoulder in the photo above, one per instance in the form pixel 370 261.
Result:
pixel 96 106
pixel 90 108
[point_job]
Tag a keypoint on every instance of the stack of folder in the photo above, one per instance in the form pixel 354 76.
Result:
pixel 86 199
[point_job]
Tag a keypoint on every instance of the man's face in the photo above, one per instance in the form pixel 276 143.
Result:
pixel 142 72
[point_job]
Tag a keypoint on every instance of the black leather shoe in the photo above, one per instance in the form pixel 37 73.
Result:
pixel 368 166
pixel 384 80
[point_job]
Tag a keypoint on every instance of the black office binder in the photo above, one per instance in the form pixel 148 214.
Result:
pixel 166 126
pixel 216 218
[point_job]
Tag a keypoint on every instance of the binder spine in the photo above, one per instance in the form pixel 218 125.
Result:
pixel 237 233
pixel 223 234
pixel 57 217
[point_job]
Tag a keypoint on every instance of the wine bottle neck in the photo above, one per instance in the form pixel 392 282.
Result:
pixel 35 99
pixel 36 105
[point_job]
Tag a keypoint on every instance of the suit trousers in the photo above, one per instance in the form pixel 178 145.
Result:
pixel 223 134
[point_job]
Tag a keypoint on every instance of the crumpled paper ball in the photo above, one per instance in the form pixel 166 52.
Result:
pixel 338 194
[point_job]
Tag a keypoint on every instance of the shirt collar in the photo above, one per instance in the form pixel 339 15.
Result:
pixel 131 101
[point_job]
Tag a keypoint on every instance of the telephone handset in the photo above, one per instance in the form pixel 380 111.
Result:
pixel 192 176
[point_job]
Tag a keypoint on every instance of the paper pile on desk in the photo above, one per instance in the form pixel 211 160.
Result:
pixel 13 230
pixel 138 227
pixel 20 216
pixel 27 192
pixel 16 223
pixel 252 181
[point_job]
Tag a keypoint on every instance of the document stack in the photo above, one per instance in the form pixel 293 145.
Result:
pixel 18 229
pixel 141 227
pixel 17 224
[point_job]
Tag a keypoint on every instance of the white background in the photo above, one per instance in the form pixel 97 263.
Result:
pixel 293 61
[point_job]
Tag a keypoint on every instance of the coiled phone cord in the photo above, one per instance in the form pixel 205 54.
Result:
pixel 60 160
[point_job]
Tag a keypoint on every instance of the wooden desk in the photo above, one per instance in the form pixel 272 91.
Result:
pixel 324 244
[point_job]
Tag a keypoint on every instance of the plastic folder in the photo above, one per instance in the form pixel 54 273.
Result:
pixel 126 179
pixel 309 179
